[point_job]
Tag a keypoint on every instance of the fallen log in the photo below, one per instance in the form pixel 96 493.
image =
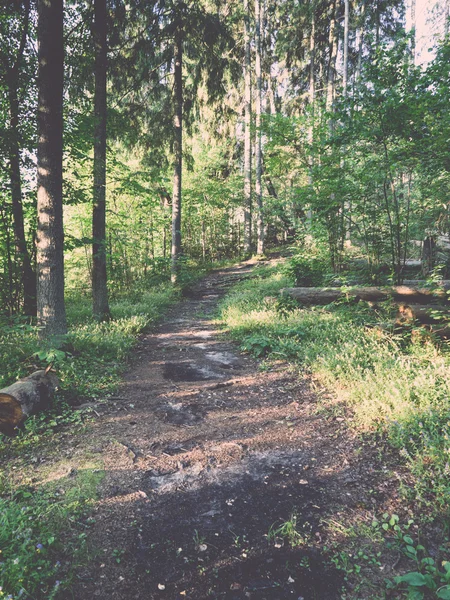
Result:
pixel 403 293
pixel 441 284
pixel 26 397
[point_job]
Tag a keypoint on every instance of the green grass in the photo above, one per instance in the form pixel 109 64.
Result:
pixel 43 528
pixel 43 534
pixel 397 385
pixel 95 353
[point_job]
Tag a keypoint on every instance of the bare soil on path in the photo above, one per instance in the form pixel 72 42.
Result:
pixel 206 455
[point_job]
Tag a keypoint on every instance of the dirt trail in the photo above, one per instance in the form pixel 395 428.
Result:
pixel 204 453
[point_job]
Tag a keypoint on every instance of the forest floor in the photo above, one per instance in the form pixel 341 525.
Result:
pixel 223 480
pixel 219 476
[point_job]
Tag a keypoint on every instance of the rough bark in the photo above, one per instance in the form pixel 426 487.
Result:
pixel 24 398
pixel 100 306
pixel 403 293
pixel 178 158
pixel 247 134
pixel 429 251
pixel 50 259
pixel 258 144
pixel 28 276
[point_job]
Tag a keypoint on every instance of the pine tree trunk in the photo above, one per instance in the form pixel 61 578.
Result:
pixel 247 134
pixel 178 160
pixel 258 144
pixel 50 236
pixel 100 304
pixel 28 276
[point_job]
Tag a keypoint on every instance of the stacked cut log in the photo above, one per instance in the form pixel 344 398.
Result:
pixel 24 398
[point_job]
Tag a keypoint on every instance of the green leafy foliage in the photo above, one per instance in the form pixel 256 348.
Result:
pixel 429 577
pixel 307 267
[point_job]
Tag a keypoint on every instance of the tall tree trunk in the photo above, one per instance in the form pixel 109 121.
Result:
pixel 446 16
pixel 258 144
pixel 28 276
pixel 100 304
pixel 178 159
pixel 360 41
pixel 50 235
pixel 413 30
pixel 6 226
pixel 247 134
pixel 312 55
pixel 312 98
pixel 333 43
pixel 377 23
pixel 346 25
pixel 346 207
pixel 203 239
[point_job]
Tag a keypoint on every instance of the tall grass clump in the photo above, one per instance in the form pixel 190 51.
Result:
pixel 395 384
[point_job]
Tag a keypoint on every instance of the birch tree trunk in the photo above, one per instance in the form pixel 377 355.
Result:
pixel 50 236
pixel 178 158
pixel 258 144
pixel 99 278
pixel 247 134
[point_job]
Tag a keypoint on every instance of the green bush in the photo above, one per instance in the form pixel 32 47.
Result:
pixel 308 268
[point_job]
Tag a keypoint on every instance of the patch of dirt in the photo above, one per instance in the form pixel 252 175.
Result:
pixel 205 457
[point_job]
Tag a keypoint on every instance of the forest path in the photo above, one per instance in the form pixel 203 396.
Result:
pixel 204 452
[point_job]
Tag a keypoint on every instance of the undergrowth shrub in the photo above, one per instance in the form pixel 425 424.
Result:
pixel 308 267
